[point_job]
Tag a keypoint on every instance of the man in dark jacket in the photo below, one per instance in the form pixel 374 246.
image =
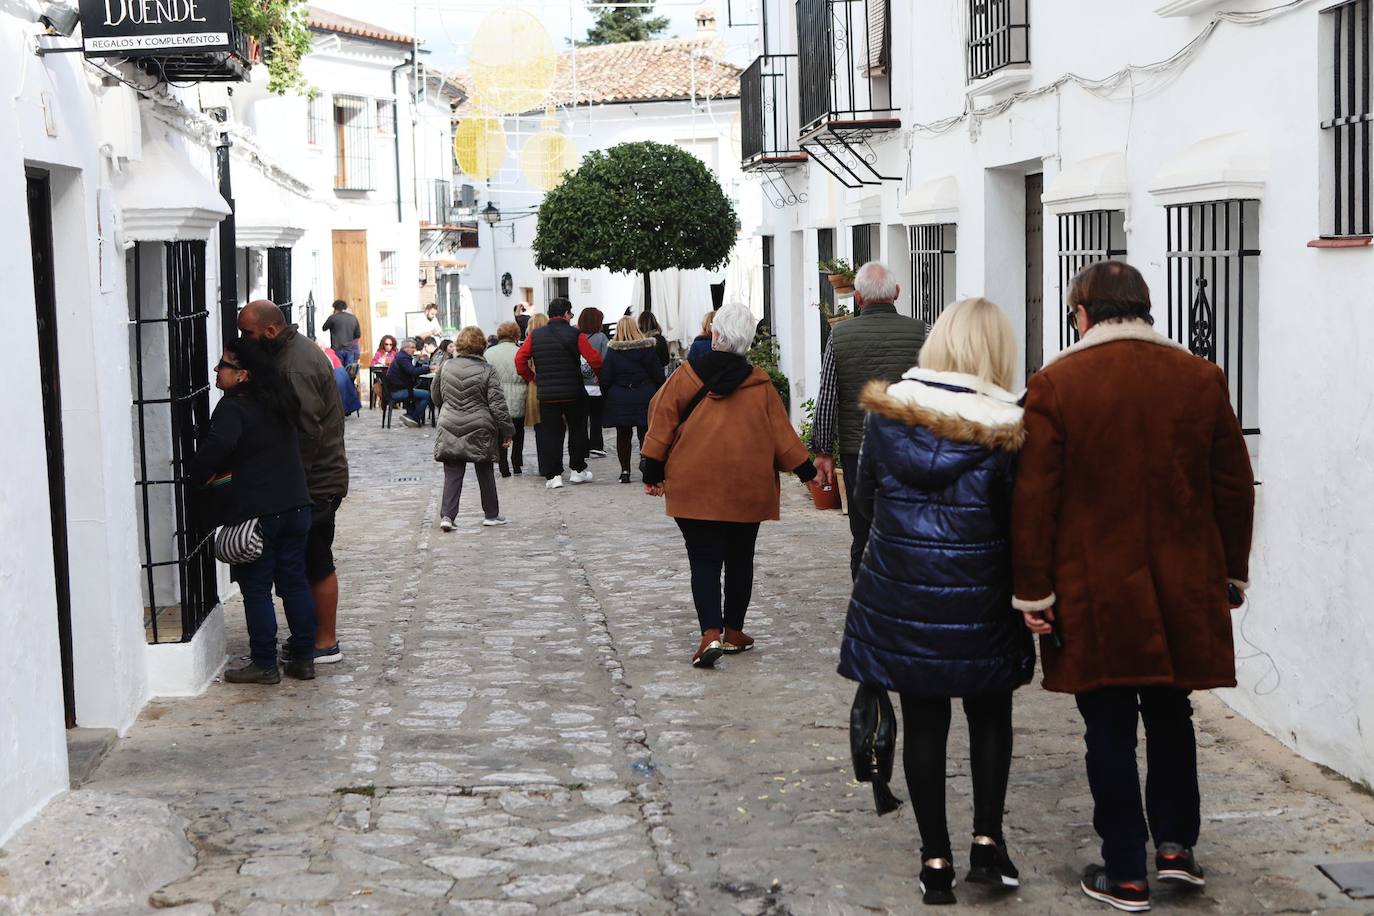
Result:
pixel 344 333
pixel 558 349
pixel 877 344
pixel 404 379
pixel 321 428
pixel 1132 514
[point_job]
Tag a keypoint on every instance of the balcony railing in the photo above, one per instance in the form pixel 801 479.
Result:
pixel 192 66
pixel 768 105
pixel 844 50
pixel 439 207
pixel 998 36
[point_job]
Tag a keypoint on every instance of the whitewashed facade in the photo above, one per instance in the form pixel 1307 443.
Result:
pixel 1208 159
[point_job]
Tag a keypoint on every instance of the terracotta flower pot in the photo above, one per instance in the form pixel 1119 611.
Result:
pixel 824 497
pixel 837 319
pixel 840 281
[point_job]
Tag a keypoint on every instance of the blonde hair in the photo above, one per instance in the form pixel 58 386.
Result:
pixel 707 322
pixel 537 320
pixel 471 341
pixel 627 328
pixel 975 337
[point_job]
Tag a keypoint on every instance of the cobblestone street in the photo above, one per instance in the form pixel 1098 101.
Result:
pixel 516 729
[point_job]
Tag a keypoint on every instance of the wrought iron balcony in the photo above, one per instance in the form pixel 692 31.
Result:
pixel 998 36
pixel 845 92
pixel 768 107
pixel 201 66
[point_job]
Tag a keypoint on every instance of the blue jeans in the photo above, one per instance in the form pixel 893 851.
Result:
pixel 346 355
pixel 282 563
pixel 421 402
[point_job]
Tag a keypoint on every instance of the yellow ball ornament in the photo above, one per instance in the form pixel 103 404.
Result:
pixel 547 156
pixel 513 61
pixel 479 145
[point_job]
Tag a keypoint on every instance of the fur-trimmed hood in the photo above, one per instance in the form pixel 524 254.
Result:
pixel 1113 331
pixel 641 344
pixel 952 405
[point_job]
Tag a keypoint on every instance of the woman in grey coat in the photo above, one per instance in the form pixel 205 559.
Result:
pixel 502 359
pixel 474 425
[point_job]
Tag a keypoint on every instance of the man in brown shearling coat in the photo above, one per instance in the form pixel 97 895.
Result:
pixel 1132 514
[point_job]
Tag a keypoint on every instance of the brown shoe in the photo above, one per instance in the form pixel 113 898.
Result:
pixel 736 641
pixel 709 651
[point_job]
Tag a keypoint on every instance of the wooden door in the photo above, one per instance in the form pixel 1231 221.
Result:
pixel 1035 274
pixel 351 281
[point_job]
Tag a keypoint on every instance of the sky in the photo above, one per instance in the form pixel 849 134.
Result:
pixel 446 26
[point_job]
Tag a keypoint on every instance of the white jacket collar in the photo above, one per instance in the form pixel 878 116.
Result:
pixel 982 412
pixel 1112 331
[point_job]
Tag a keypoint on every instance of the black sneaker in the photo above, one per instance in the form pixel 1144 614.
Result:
pixel 1130 896
pixel 302 669
pixel 330 656
pixel 252 674
pixel 937 885
pixel 1175 863
pixel 624 476
pixel 988 863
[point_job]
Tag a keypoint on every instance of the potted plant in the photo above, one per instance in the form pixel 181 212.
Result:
pixel 278 35
pixel 834 314
pixel 840 275
pixel 823 497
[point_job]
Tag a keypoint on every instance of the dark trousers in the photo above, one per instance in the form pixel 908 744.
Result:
pixel 453 487
pixel 554 418
pixel 859 523
pixel 1172 804
pixel 515 456
pixel 925 734
pixel 622 444
pixel 596 407
pixel 712 546
pixel 282 564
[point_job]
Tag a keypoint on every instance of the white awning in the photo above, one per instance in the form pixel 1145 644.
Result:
pixel 1225 167
pixel 934 201
pixel 265 214
pixel 162 197
pixel 1098 183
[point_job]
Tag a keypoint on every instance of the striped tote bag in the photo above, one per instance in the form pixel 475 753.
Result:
pixel 239 544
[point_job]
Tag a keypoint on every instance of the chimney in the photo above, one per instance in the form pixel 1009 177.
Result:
pixel 706 20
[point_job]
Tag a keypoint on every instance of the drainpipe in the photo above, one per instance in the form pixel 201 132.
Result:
pixel 228 242
pixel 396 133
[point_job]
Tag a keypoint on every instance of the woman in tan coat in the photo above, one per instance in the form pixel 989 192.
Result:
pixel 718 436
pixel 1131 522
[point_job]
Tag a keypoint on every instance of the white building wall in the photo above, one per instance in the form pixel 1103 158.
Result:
pixel 1302 640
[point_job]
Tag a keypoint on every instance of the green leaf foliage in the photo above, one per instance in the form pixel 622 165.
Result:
pixel 614 25
pixel 636 207
pixel 279 26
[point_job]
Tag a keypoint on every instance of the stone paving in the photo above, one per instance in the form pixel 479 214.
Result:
pixel 516 729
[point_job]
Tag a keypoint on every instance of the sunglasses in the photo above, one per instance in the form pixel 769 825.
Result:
pixel 222 364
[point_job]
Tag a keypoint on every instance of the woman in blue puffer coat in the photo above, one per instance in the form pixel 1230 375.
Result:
pixel 931 614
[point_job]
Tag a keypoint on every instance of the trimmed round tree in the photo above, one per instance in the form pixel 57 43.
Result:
pixel 636 208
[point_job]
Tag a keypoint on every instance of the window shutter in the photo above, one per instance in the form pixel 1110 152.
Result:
pixel 878 38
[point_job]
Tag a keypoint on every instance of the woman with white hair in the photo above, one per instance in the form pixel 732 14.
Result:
pixel 718 436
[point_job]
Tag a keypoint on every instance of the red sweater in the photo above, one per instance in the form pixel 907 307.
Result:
pixel 584 347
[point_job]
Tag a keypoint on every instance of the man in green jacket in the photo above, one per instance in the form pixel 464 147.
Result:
pixel 321 427
pixel 877 344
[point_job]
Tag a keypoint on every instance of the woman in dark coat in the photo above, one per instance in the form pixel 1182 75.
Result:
pixel 251 464
pixel 931 614
pixel 589 322
pixel 701 344
pixel 648 326
pixel 630 377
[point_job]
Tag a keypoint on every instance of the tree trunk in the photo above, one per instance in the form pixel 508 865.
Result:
pixel 648 293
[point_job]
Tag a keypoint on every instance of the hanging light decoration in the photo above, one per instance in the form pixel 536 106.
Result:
pixel 547 156
pixel 513 62
pixel 479 145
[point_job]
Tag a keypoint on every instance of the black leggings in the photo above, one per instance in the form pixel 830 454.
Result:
pixel 712 546
pixel 925 730
pixel 622 444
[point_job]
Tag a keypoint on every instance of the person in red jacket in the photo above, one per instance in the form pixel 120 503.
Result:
pixel 558 350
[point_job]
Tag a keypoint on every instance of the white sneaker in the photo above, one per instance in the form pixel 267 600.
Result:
pixel 445 524
pixel 413 424
pixel 493 522
pixel 580 477
pixel 553 483
pixel 596 453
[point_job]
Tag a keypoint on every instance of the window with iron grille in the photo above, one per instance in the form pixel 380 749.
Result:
pixel 317 120
pixel 932 269
pixel 768 282
pixel 386 117
pixel 390 275
pixel 1213 254
pixel 171 379
pixel 863 243
pixel 998 36
pixel 353 135
pixel 1085 238
pixel 1347 111
pixel 825 251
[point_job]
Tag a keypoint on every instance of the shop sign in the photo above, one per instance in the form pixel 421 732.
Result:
pixel 140 28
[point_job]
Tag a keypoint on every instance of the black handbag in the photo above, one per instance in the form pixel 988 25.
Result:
pixel 873 743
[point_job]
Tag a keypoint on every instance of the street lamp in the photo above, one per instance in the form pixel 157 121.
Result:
pixel 490 214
